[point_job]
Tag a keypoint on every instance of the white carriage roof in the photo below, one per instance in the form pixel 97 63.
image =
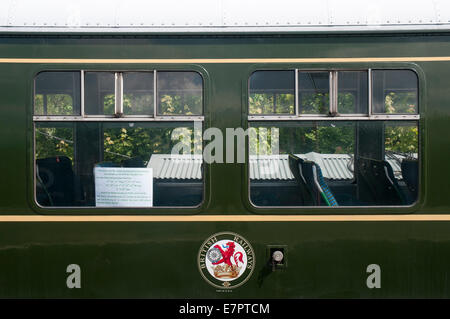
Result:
pixel 222 16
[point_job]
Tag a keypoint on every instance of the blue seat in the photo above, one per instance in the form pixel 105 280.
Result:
pixel 326 192
pixel 311 182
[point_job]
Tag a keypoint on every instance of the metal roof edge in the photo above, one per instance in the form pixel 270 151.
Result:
pixel 324 29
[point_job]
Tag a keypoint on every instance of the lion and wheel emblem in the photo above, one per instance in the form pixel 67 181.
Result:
pixel 226 260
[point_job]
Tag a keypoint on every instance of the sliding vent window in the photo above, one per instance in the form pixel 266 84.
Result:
pixel 272 93
pixel 99 93
pixel 57 93
pixel 395 92
pixel 179 93
pixel 314 92
pixel 353 92
pixel 138 96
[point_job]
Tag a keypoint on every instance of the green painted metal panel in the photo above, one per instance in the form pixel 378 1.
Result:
pixel 154 259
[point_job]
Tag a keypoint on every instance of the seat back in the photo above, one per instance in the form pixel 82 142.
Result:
pixel 410 173
pixel 325 190
pixel 378 186
pixel 302 172
pixel 55 182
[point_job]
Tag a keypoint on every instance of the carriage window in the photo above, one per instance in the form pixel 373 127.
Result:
pixel 395 92
pixel 321 164
pixel 57 93
pixel 272 92
pixel 179 93
pixel 138 93
pixel 99 98
pixel 131 159
pixel 314 92
pixel 68 178
pixel 287 177
pixel 344 158
pixel 353 92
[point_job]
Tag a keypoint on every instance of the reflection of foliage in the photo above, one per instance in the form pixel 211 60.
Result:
pixel 262 139
pixel 402 139
pixel 401 102
pixel 346 103
pixel 186 104
pixel 331 139
pixel 109 104
pixel 318 138
pixel 271 104
pixel 314 103
pixel 121 143
pixel 54 141
pixel 138 104
pixel 299 140
pixel 57 104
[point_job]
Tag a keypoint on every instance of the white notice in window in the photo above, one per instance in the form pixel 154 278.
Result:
pixel 123 187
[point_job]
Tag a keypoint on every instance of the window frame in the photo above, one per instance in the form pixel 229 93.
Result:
pixel 203 119
pixel 331 94
pixel 321 210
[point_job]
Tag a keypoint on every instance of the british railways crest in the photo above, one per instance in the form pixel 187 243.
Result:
pixel 226 260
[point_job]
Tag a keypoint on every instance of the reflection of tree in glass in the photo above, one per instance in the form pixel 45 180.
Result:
pixel 261 140
pixel 401 102
pixel 402 139
pixel 121 143
pixel 138 104
pixel 326 139
pixel 346 103
pixel 109 104
pixel 187 104
pixel 179 93
pixel 54 141
pixel 320 139
pixel 314 103
pixel 261 104
pixel 57 104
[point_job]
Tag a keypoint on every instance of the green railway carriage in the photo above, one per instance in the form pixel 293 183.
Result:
pixel 224 151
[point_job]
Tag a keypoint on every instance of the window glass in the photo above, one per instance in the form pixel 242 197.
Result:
pixel 339 163
pixel 314 92
pixel 395 92
pixel 272 92
pixel 57 93
pixel 118 164
pixel 54 141
pixel 54 151
pixel 352 92
pixel 179 93
pixel 99 93
pixel 138 93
